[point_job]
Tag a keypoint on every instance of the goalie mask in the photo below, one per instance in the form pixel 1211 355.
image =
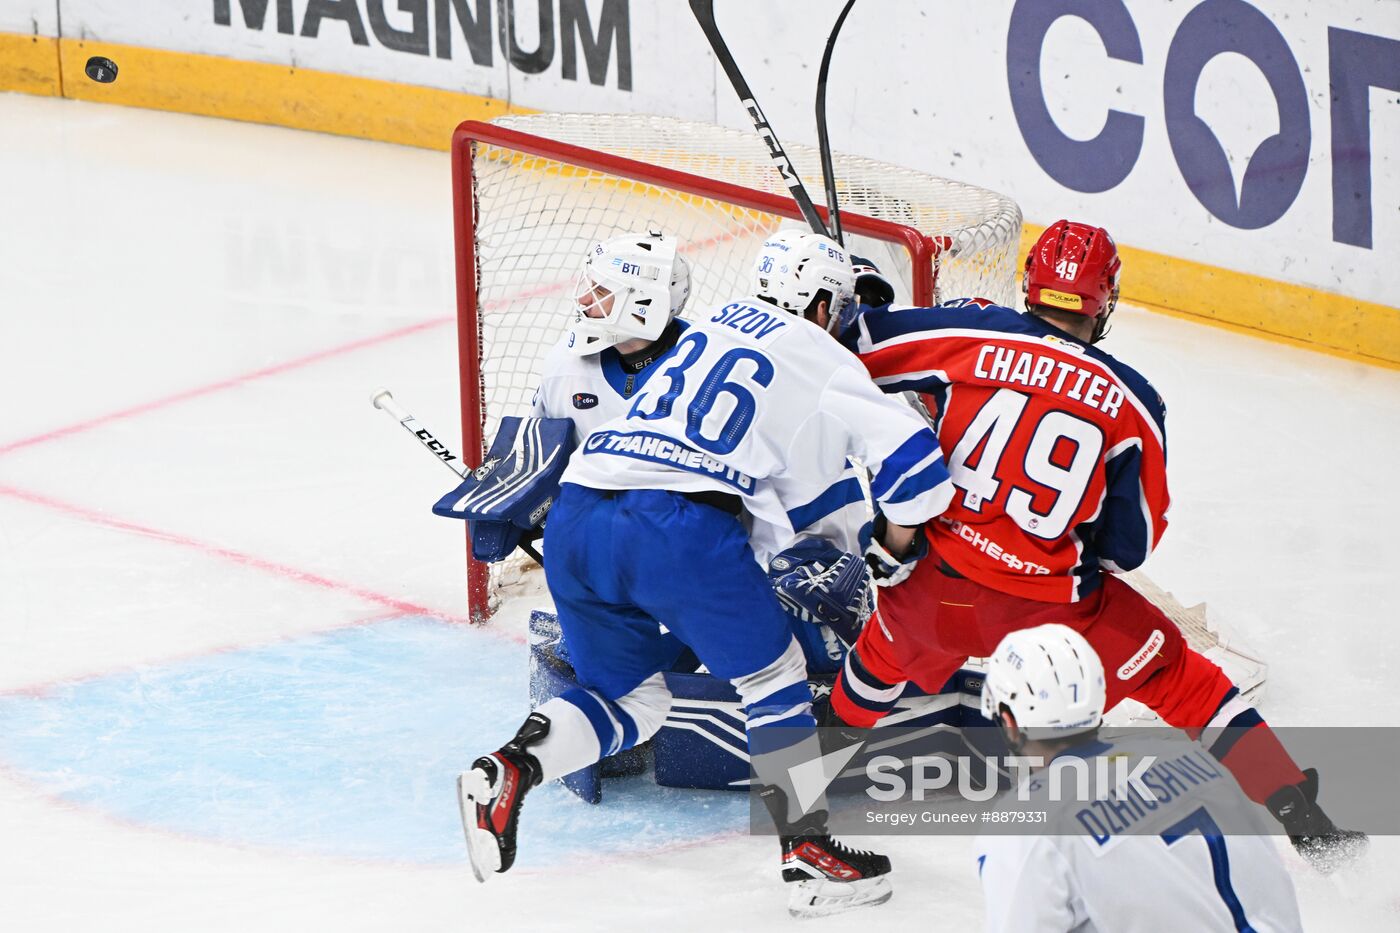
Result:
pixel 630 287
pixel 796 269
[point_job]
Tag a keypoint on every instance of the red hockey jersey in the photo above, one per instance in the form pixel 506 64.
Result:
pixel 1057 450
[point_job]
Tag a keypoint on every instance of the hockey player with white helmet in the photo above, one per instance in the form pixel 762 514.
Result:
pixel 628 298
pixel 1166 866
pixel 747 422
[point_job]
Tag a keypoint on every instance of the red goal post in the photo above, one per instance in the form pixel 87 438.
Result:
pixel 531 193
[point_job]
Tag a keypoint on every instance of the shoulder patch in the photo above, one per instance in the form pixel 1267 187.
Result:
pixel 982 303
pixel 584 400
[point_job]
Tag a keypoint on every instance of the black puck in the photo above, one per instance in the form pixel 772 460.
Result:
pixel 102 70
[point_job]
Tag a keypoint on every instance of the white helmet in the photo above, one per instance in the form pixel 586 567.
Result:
pixel 1050 679
pixel 647 281
pixel 794 267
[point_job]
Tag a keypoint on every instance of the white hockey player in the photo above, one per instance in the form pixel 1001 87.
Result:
pixel 754 412
pixel 1118 860
pixel 627 298
pixel 627 301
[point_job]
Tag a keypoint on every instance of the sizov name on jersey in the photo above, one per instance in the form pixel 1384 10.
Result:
pixel 643 445
pixel 747 319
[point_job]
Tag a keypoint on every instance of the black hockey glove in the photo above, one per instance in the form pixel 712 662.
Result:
pixel 872 288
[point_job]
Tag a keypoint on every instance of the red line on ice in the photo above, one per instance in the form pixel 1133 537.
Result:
pixel 278 368
pixel 237 557
pixel 273 370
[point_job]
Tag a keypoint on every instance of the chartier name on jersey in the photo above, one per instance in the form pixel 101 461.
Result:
pixel 1036 370
pixel 889 339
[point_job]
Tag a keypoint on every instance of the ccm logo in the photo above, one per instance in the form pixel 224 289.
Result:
pixel 1146 653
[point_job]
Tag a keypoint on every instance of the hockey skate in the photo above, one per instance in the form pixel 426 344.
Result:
pixel 490 796
pixel 827 876
pixel 1312 832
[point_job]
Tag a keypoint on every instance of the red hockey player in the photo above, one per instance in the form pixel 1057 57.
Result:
pixel 1058 455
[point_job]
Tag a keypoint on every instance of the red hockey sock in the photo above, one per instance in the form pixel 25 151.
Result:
pixel 1193 694
pixel 1259 761
pixel 869 684
pixel 860 697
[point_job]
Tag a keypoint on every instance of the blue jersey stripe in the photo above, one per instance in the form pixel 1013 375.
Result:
pixel 909 455
pixel 920 483
pixel 591 705
pixel 837 496
pixel 1121 533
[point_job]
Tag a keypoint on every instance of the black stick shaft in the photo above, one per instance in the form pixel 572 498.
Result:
pixel 704 11
pixel 823 141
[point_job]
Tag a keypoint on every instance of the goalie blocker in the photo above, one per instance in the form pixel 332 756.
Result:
pixel 509 495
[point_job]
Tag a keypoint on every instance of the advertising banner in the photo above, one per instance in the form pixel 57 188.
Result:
pixel 1249 148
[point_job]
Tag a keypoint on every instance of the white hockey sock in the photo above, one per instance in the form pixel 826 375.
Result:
pixel 571 743
pixel 584 727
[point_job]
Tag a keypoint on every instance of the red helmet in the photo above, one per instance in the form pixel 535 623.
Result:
pixel 1073 267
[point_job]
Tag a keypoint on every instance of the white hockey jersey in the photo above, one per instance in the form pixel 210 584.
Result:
pixel 589 390
pixel 1126 865
pixel 765 405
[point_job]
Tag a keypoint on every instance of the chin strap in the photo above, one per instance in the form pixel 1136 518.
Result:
pixel 1101 322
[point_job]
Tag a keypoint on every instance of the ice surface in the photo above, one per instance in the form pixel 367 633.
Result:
pixel 234 686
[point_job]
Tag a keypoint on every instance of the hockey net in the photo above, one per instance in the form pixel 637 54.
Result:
pixel 532 193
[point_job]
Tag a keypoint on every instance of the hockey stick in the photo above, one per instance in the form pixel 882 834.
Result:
pixel 823 142
pixel 704 11
pixel 384 401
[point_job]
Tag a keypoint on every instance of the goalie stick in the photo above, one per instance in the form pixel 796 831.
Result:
pixel 383 399
pixel 704 11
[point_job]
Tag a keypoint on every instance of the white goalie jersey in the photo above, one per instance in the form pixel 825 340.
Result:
pixel 1123 864
pixel 589 390
pixel 762 404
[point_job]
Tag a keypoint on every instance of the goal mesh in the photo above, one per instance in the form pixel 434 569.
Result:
pixel 534 192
